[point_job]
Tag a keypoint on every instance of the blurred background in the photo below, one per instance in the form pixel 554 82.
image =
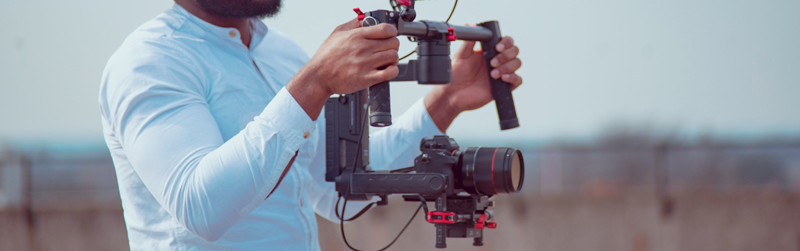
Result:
pixel 646 125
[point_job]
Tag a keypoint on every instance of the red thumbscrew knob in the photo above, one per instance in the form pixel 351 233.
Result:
pixel 481 222
pixel 451 34
pixel 491 225
pixel 360 13
pixel 404 2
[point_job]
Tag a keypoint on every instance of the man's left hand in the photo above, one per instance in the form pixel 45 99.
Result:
pixel 470 88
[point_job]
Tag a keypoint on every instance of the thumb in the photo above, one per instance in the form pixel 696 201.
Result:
pixel 466 50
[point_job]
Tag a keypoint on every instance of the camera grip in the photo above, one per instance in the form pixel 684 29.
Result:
pixel 380 109
pixel 501 91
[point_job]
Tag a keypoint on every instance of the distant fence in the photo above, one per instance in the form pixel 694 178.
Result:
pixel 663 168
pixel 53 201
pixel 70 201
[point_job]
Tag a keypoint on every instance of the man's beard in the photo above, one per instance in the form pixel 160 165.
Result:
pixel 241 8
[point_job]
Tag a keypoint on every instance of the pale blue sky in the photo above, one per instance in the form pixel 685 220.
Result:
pixel 727 67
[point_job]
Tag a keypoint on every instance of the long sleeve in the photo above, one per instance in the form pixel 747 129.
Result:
pixel 393 147
pixel 156 106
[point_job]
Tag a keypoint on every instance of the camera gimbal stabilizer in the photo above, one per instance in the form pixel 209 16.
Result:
pixel 458 182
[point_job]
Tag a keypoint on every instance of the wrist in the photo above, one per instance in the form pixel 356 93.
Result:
pixel 309 91
pixel 441 108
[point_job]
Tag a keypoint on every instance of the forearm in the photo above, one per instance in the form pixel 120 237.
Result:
pixel 440 108
pixel 228 183
pixel 206 184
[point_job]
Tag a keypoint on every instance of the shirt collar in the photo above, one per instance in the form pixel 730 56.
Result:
pixel 257 28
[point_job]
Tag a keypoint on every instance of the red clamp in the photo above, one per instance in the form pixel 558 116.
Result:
pixel 404 2
pixel 360 13
pixel 482 223
pixel 441 217
pixel 451 34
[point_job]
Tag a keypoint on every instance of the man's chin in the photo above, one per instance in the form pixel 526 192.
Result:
pixel 241 8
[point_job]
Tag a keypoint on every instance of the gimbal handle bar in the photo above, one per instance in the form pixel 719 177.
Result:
pixel 436 35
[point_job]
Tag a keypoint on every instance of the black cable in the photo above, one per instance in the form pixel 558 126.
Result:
pixel 448 20
pixel 341 227
pixel 355 162
pixel 364 210
pixel 424 204
pixel 341 218
pixel 451 12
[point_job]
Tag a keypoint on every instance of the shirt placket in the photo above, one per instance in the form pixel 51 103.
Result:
pixel 234 35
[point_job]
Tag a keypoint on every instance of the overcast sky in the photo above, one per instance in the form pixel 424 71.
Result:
pixel 727 67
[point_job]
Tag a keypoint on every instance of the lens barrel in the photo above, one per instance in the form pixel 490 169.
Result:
pixel 489 170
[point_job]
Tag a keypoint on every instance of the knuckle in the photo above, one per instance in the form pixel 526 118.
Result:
pixel 345 26
pixel 392 55
pixel 350 35
pixel 360 60
pixel 501 58
pixel 511 66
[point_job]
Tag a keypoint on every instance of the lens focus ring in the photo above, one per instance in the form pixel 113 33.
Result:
pixel 489 171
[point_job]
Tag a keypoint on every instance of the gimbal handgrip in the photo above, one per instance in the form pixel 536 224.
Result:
pixel 380 109
pixel 501 91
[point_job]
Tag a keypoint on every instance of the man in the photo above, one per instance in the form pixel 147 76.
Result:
pixel 213 123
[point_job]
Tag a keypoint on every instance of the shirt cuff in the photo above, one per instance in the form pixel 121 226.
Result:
pixel 286 116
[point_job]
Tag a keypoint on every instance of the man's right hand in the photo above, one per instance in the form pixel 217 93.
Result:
pixel 352 58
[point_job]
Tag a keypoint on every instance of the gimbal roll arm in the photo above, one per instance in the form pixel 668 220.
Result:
pixel 466 33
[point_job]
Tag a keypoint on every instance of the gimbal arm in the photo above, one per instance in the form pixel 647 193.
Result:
pixel 433 64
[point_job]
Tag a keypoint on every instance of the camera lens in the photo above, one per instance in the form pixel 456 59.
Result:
pixel 489 171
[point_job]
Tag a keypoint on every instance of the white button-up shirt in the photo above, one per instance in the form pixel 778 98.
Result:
pixel 200 128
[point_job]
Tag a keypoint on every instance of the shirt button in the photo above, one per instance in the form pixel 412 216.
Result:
pixel 232 34
pixel 306 135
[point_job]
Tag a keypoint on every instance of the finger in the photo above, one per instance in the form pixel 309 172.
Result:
pixel 377 76
pixel 349 25
pixel 383 58
pixel 387 44
pixel 466 49
pixel 513 79
pixel 506 68
pixel 505 56
pixel 505 43
pixel 381 31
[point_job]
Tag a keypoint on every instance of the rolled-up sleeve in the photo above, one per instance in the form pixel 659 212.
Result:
pixel 158 111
